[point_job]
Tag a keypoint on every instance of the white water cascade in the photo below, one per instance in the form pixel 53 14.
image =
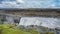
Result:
pixel 10 20
pixel 47 22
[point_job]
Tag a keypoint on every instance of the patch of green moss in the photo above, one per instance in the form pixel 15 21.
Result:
pixel 14 31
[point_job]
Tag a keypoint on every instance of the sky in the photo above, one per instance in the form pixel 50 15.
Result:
pixel 29 3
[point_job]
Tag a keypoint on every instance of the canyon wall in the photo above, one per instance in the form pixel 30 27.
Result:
pixel 32 12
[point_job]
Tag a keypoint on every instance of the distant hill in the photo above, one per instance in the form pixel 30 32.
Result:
pixel 48 12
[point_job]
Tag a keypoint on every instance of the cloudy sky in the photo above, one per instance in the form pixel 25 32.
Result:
pixel 29 3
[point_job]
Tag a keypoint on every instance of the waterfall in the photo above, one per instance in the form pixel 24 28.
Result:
pixel 10 20
pixel 47 22
pixel 43 21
